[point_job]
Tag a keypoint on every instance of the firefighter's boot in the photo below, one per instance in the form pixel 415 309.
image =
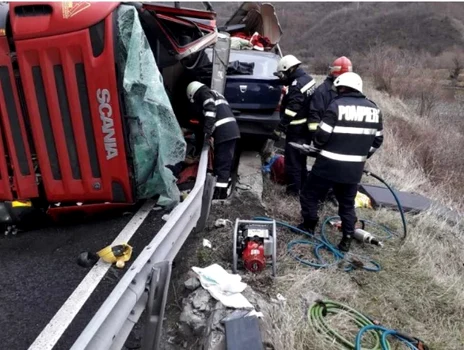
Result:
pixel 308 226
pixel 220 193
pixel 345 243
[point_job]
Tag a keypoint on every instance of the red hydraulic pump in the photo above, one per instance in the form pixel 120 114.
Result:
pixel 255 245
pixel 253 256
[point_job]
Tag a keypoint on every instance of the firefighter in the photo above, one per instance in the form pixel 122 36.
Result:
pixel 325 93
pixel 321 99
pixel 348 134
pixel 293 118
pixel 218 122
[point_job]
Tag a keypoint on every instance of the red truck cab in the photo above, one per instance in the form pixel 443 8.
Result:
pixel 63 126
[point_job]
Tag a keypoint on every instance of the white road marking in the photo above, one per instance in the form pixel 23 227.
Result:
pixel 63 318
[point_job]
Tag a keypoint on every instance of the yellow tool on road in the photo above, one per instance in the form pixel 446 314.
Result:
pixel 118 254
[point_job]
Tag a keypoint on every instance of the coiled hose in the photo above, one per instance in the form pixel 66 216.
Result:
pixel 323 244
pixel 317 320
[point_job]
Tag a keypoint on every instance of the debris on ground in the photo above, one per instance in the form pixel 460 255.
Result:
pixel 243 333
pixel 236 314
pixel 192 283
pixel 207 243
pixel 222 223
pixel 178 334
pixel 243 187
pixel 194 319
pixel 223 286
pixel 204 318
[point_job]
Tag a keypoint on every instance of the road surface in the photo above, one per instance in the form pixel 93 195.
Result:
pixel 39 273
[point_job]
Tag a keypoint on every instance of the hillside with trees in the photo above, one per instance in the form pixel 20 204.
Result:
pixel 345 28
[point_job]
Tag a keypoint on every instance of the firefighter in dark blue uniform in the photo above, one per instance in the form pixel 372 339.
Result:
pixel 219 123
pixel 325 93
pixel 293 116
pixel 322 98
pixel 348 134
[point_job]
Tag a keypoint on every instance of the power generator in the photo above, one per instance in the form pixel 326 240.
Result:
pixel 255 245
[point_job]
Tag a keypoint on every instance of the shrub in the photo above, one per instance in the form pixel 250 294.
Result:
pixel 385 63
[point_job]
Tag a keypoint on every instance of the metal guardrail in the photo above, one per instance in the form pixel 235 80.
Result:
pixel 145 286
pixel 146 283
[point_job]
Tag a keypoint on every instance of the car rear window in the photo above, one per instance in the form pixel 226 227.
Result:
pixel 265 64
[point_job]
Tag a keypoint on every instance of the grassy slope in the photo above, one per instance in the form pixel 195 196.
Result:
pixel 419 289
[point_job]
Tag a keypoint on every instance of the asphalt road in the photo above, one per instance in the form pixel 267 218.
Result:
pixel 39 272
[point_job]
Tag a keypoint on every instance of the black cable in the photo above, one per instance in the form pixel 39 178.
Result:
pixel 400 208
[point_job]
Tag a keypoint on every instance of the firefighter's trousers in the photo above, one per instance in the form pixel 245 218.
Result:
pixel 315 190
pixel 295 164
pixel 224 159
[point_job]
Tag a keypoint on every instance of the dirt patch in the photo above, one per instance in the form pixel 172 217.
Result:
pixel 243 205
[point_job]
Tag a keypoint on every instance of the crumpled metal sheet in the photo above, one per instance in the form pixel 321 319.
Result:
pixel 155 137
pixel 260 18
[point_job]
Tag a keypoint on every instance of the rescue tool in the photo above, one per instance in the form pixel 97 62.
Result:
pixel 117 254
pixel 305 149
pixel 359 234
pixel 255 245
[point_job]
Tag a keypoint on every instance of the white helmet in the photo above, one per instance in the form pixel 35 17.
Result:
pixel 351 80
pixel 287 62
pixel 192 88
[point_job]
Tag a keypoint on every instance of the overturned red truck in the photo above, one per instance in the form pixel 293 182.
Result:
pixel 85 113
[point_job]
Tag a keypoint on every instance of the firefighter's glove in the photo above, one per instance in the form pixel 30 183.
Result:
pixel 276 135
pixel 282 127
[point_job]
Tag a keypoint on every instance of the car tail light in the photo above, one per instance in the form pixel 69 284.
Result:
pixel 283 92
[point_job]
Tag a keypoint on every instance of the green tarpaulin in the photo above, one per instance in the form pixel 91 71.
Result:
pixel 154 135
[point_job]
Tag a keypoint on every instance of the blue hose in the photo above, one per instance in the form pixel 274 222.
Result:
pixel 321 244
pixel 385 333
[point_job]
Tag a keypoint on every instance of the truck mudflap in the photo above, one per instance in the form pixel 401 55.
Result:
pixel 71 94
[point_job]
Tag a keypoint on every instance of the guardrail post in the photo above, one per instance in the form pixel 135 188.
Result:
pixel 206 201
pixel 158 292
